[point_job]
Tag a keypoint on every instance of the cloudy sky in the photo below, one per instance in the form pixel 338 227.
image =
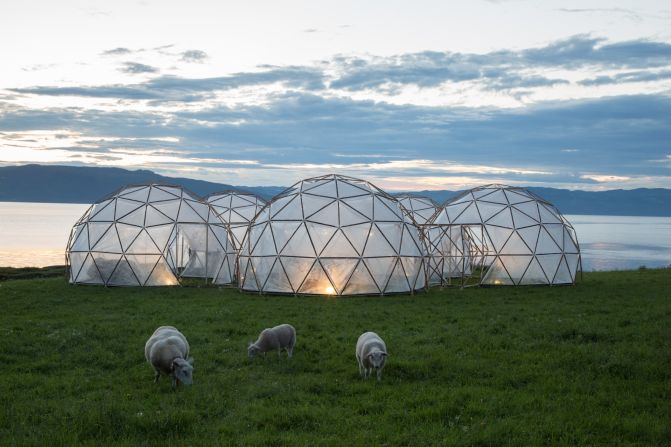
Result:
pixel 410 95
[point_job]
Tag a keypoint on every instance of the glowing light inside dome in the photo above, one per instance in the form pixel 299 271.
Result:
pixel 329 290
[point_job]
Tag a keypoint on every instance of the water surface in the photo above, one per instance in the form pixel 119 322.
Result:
pixel 36 234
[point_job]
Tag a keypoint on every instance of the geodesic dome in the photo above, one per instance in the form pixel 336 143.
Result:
pixel 236 209
pixel 420 208
pixel 508 235
pixel 149 235
pixel 332 235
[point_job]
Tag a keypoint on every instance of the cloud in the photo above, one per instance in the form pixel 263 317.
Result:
pixel 137 68
pixel 120 51
pixel 197 56
pixel 631 76
pixel 628 13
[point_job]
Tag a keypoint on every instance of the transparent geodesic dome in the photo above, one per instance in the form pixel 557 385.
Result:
pixel 332 235
pixel 149 235
pixel 236 209
pixel 503 234
pixel 420 208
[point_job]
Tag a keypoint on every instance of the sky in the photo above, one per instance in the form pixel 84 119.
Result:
pixel 408 95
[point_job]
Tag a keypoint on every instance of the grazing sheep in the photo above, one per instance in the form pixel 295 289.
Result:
pixel 276 338
pixel 371 353
pixel 167 351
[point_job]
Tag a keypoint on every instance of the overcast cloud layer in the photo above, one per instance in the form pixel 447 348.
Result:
pixel 583 111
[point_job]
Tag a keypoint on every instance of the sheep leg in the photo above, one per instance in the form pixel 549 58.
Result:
pixel 379 374
pixel 290 351
pixel 361 370
pixel 157 375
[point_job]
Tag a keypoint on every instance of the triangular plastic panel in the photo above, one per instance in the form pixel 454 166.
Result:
pixel 139 195
pixel 339 247
pixel 127 234
pixel 143 244
pixel 488 210
pixel 469 215
pixel 517 197
pixel 158 195
pixel 362 204
pixel 327 189
pixel 381 269
pixel 497 274
pixel 161 213
pixel 550 263
pixel 350 216
pixel 557 233
pixel 386 210
pixel 360 282
pixel 317 282
pixel 534 274
pixel 160 276
pixel 297 269
pixel 410 244
pixel 299 244
pixel 398 282
pixel 282 232
pixel 339 270
pixel 515 246
pixel 320 235
pixel 349 190
pixel 123 275
pixel 188 215
pixel 563 275
pixel 497 197
pixel 103 211
pixel 80 240
pixel 530 236
pixel 277 280
pixel 263 243
pixel 502 219
pixel 88 273
pixel 392 231
pixel 108 242
pixel 357 235
pixel 414 270
pixel 522 220
pixel 161 235
pixel 547 215
pixel 76 263
pixel 106 264
pixel 498 236
pixel 262 266
pixel 377 245
pixel 124 207
pixel 312 204
pixel 135 217
pixel 530 209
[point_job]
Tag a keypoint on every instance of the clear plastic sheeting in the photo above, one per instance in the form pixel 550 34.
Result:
pixel 421 209
pixel 237 209
pixel 505 235
pixel 149 235
pixel 332 235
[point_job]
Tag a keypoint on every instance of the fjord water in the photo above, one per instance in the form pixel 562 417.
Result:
pixel 36 234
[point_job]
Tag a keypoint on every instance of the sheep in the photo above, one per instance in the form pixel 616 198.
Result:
pixel 276 338
pixel 371 353
pixel 167 351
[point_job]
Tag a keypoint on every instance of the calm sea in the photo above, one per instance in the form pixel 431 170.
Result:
pixel 35 234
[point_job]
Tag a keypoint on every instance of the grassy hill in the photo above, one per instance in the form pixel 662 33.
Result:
pixel 582 365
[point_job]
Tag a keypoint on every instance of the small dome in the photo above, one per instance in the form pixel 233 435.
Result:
pixel 511 234
pixel 332 235
pixel 149 235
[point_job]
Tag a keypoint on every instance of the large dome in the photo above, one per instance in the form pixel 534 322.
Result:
pixel 508 235
pixel 332 235
pixel 149 235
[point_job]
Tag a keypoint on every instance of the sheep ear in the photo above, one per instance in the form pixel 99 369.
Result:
pixel 385 354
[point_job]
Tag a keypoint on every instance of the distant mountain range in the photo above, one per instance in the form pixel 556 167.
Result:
pixel 73 184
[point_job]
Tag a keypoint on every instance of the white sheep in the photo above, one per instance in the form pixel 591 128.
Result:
pixel 275 338
pixel 167 351
pixel 371 353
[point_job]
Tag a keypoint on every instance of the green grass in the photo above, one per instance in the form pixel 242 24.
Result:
pixel 582 365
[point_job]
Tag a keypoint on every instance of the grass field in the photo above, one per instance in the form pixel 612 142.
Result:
pixel 582 365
